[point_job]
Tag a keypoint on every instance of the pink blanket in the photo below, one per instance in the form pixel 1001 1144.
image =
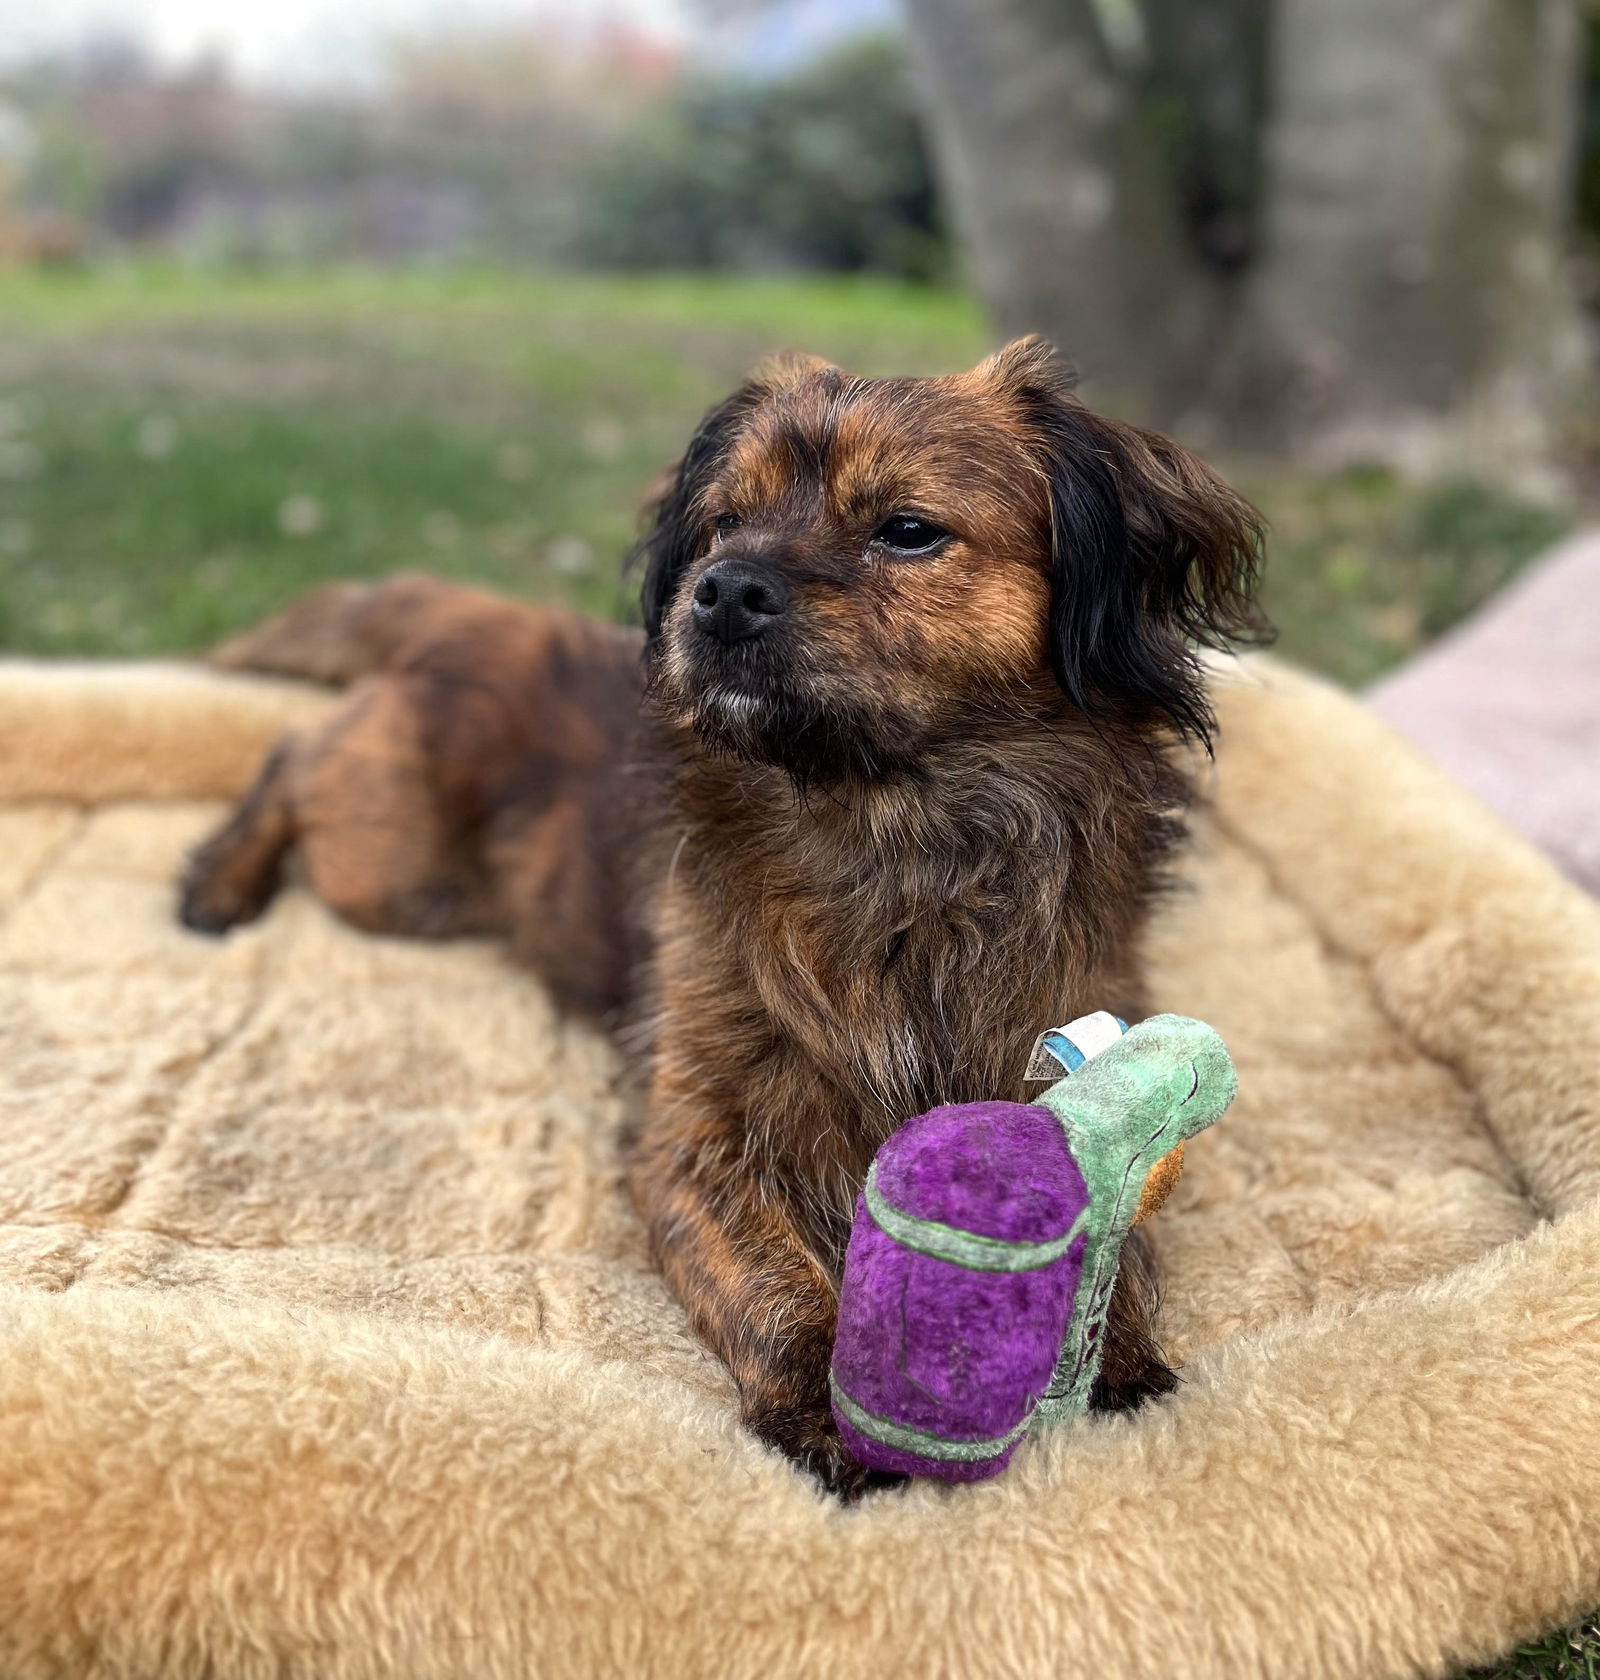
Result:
pixel 1510 703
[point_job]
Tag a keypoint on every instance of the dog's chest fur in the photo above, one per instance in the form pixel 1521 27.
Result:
pixel 856 956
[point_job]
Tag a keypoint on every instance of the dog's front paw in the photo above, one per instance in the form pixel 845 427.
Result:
pixel 809 1438
pixel 213 897
pixel 231 877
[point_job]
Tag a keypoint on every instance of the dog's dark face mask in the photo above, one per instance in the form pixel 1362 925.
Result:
pixel 843 571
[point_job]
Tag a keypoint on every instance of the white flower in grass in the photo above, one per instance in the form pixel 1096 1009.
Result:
pixel 20 459
pixel 156 437
pixel 603 437
pixel 569 554
pixel 300 516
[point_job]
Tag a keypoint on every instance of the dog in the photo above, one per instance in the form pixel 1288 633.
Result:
pixel 887 785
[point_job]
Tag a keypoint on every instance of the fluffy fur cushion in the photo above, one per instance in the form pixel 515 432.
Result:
pixel 329 1346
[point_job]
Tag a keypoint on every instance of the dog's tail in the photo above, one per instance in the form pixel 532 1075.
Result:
pixel 338 632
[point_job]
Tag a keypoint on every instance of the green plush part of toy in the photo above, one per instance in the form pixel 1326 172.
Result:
pixel 1162 1082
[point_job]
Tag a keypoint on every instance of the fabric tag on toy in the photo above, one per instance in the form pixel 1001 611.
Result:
pixel 1058 1051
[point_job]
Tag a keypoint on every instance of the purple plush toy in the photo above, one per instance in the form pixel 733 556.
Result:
pixel 986 1244
pixel 969 1235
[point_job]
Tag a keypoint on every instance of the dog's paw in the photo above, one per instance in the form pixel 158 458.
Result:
pixel 212 897
pixel 809 1438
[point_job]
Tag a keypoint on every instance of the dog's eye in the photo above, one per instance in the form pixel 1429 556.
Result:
pixel 727 522
pixel 908 535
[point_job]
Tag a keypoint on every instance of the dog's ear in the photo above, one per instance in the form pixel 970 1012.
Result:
pixel 673 513
pixel 1152 554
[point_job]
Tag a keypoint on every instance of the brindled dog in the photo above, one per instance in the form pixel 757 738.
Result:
pixel 889 791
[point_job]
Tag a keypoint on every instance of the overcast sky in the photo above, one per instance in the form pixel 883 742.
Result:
pixel 294 40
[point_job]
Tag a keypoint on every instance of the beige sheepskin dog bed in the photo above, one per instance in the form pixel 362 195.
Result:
pixel 330 1348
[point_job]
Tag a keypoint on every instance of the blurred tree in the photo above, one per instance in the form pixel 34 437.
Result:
pixel 824 168
pixel 1589 159
pixel 1329 227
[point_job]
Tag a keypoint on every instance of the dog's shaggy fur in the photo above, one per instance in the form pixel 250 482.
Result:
pixel 916 655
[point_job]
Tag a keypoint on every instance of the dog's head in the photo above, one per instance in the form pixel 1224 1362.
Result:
pixel 842 570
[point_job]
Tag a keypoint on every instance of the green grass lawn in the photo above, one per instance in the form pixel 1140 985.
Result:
pixel 1572 1654
pixel 178 454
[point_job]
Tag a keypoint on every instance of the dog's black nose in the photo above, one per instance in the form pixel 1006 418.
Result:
pixel 737 599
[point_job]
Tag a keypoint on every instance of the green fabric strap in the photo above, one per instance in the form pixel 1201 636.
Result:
pixel 964 1248
pixel 919 1441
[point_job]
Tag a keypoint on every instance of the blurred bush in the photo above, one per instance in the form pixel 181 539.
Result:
pixel 523 147
pixel 823 169
pixel 470 150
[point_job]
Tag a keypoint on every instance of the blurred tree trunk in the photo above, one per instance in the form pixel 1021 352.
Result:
pixel 1060 189
pixel 1327 227
pixel 1411 280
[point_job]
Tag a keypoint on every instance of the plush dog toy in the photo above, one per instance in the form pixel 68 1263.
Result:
pixel 986 1243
